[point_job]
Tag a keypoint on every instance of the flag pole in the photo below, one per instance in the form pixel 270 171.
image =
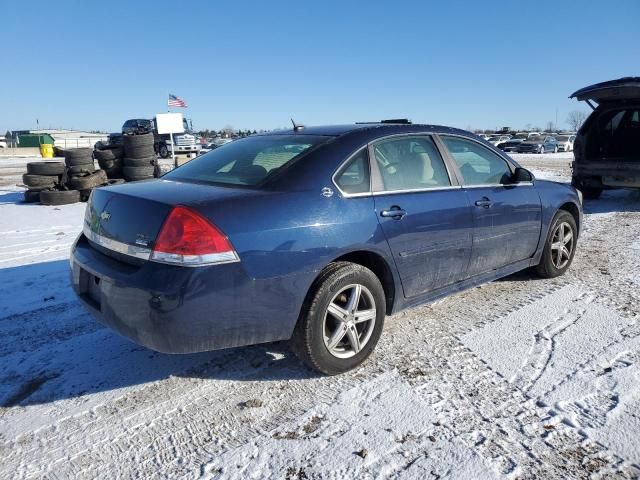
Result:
pixel 173 150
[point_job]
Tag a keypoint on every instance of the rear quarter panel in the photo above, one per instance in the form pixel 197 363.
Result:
pixel 553 195
pixel 285 239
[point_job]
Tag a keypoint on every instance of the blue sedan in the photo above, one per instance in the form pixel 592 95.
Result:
pixel 315 235
pixel 538 144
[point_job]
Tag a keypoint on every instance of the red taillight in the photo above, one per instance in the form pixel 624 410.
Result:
pixel 187 238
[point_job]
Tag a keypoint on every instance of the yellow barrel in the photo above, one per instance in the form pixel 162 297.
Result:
pixel 46 150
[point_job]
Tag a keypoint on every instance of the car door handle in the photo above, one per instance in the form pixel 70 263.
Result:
pixel 484 202
pixel 394 212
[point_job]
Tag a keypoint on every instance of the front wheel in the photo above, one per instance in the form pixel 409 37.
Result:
pixel 342 321
pixel 541 149
pixel 163 151
pixel 560 247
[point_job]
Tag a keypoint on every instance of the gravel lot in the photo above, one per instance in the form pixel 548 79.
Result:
pixel 520 378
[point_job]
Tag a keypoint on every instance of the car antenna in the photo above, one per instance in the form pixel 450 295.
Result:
pixel 297 126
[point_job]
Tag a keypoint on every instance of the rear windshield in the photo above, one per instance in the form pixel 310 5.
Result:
pixel 248 161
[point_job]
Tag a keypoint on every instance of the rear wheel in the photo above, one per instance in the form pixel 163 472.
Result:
pixel 555 149
pixel 591 193
pixel 342 323
pixel 163 151
pixel 560 247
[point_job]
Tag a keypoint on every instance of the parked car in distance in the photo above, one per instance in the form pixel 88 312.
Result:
pixel 565 142
pixel 511 144
pixel 315 235
pixel 219 141
pixel 112 139
pixel 607 146
pixel 207 147
pixel 538 144
pixel 3 142
pixel 499 139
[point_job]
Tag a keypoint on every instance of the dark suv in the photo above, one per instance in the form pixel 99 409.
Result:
pixel 607 147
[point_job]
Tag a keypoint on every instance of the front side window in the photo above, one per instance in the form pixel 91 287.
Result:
pixel 478 165
pixel 410 163
pixel 354 176
pixel 248 161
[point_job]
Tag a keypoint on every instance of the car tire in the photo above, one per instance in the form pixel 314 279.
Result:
pixel 108 154
pixel 31 196
pixel 137 140
pixel 107 164
pixel 140 151
pixel 139 162
pixel 555 261
pixel 115 172
pixel 137 173
pixel 324 342
pixel 86 182
pixel 81 169
pixel 39 180
pixel 541 150
pixel 163 150
pixel 555 149
pixel 78 156
pixel 59 197
pixel 591 193
pixel 45 168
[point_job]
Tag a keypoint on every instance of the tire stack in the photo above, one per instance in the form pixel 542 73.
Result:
pixel 41 176
pixel 81 173
pixel 110 159
pixel 139 157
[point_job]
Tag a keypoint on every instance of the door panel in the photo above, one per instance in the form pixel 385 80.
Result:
pixel 507 216
pixel 431 243
pixel 507 222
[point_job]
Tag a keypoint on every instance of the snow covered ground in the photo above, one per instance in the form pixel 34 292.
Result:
pixel 520 378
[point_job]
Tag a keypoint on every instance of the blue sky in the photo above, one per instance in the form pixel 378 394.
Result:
pixel 92 65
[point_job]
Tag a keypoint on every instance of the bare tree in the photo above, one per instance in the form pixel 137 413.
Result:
pixel 227 130
pixel 576 118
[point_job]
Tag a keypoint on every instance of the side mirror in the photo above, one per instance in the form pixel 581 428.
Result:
pixel 522 175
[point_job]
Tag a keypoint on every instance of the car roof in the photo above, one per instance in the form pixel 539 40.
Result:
pixel 377 129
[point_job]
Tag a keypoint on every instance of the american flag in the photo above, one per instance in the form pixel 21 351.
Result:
pixel 176 102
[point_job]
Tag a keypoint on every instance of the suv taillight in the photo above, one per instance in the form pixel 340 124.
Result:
pixel 189 239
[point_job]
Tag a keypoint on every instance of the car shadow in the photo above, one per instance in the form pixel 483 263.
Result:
pixel 623 200
pixel 51 349
pixel 14 197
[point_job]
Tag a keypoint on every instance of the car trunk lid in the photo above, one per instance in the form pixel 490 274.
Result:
pixel 127 218
pixel 622 89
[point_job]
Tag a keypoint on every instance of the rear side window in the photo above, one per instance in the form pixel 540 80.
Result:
pixel 410 163
pixel 354 177
pixel 478 165
pixel 248 161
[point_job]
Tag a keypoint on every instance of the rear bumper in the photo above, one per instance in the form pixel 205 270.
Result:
pixel 183 309
pixel 602 174
pixel 186 149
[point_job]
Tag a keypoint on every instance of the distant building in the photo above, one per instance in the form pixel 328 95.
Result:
pixel 62 138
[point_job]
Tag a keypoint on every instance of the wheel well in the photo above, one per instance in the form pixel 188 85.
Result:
pixel 377 265
pixel 573 210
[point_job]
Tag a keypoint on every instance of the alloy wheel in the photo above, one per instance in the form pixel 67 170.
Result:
pixel 349 321
pixel 562 243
